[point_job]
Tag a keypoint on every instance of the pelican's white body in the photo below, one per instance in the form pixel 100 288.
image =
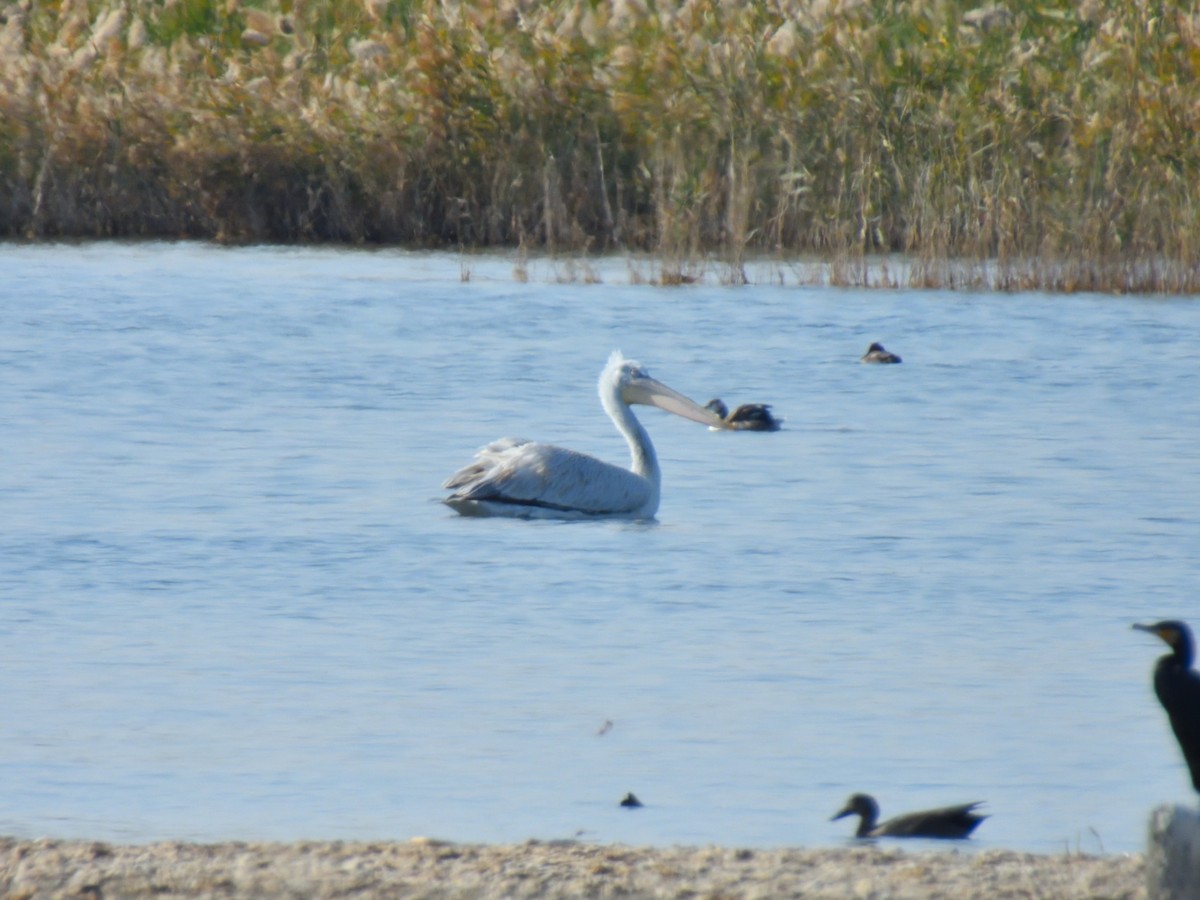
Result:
pixel 515 477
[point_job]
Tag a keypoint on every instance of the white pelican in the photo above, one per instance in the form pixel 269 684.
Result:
pixel 747 417
pixel 876 354
pixel 515 477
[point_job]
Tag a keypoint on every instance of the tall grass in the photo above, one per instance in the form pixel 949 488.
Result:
pixel 1035 143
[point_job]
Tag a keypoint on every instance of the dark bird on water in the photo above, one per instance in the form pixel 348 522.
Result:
pixel 630 801
pixel 947 822
pixel 747 417
pixel 1178 689
pixel 876 354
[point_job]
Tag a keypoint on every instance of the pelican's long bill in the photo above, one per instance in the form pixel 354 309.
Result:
pixel 650 391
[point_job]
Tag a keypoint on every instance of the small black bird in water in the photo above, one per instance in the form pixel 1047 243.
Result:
pixel 630 801
pixel 876 354
pixel 1178 689
pixel 747 417
pixel 947 822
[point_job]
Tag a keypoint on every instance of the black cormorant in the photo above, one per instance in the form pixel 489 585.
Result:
pixel 1178 689
pixel 747 417
pixel 947 822
pixel 876 354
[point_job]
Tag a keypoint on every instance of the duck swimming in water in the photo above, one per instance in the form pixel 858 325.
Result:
pixel 747 417
pixel 950 822
pixel 876 354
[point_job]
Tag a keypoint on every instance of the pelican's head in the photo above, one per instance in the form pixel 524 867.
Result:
pixel 626 381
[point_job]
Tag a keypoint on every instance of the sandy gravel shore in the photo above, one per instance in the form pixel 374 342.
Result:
pixel 431 869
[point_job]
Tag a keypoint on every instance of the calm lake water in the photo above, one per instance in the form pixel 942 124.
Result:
pixel 232 604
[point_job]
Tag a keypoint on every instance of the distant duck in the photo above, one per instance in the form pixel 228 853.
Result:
pixel 947 822
pixel 876 354
pixel 747 417
pixel 629 801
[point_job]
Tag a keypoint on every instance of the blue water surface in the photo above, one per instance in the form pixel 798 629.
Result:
pixel 232 604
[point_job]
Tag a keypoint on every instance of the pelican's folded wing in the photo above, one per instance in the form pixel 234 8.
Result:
pixel 525 473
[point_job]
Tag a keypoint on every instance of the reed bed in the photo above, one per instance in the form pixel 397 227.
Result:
pixel 1028 144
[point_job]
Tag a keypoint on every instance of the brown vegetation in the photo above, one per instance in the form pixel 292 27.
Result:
pixel 1043 144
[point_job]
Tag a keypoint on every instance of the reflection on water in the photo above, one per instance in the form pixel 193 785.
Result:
pixel 235 607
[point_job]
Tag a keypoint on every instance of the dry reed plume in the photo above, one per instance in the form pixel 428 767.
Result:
pixel 1044 144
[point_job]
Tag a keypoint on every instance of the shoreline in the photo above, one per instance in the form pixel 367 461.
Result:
pixel 50 868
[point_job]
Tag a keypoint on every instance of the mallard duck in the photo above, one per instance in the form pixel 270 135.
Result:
pixel 747 417
pixel 947 822
pixel 876 354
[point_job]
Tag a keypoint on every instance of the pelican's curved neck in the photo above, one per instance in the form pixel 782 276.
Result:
pixel 644 461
